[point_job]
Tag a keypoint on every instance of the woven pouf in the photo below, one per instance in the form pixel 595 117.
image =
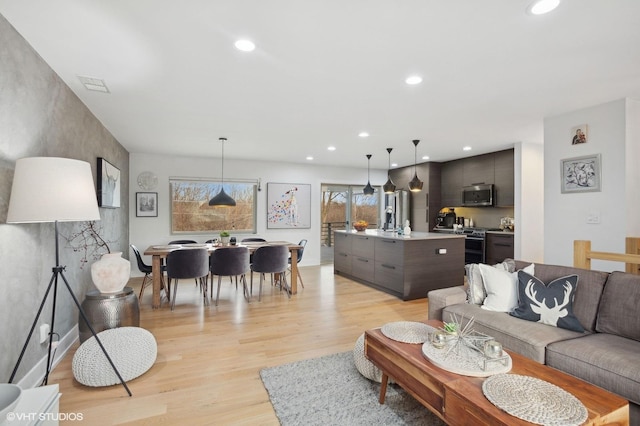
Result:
pixel 364 366
pixel 133 350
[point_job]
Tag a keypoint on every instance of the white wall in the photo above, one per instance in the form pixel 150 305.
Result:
pixel 632 168
pixel 565 215
pixel 529 202
pixel 145 231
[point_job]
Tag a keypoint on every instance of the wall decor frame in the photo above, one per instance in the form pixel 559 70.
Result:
pixel 288 205
pixel 108 184
pixel 579 134
pixel 146 204
pixel 581 174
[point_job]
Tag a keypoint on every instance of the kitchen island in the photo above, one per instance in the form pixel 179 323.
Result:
pixel 406 266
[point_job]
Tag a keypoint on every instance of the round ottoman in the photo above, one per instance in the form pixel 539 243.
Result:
pixel 364 366
pixel 133 350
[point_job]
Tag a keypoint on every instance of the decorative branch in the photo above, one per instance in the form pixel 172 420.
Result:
pixel 89 242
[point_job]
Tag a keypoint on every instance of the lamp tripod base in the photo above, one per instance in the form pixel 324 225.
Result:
pixel 53 284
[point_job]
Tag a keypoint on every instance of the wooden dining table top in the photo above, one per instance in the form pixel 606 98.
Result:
pixel 160 249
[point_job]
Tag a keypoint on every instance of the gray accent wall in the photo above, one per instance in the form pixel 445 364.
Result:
pixel 41 116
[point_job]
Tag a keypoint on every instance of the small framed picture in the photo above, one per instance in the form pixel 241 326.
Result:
pixel 146 204
pixel 581 174
pixel 579 134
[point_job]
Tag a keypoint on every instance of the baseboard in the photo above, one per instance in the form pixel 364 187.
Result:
pixel 35 376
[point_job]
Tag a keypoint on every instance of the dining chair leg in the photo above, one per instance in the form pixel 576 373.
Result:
pixel 300 279
pixel 175 293
pixel 218 294
pixel 284 285
pixel 260 291
pixel 144 284
pixel 203 286
pixel 245 290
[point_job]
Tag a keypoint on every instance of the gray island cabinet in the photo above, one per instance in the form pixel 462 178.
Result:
pixel 406 266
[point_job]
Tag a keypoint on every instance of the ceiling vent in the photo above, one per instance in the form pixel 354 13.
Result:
pixel 94 84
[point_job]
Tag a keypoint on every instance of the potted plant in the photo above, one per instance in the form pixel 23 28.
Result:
pixel 224 237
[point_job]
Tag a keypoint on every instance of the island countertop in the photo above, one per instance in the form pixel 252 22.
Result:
pixel 376 233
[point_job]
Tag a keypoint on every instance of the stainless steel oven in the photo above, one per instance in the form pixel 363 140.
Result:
pixel 474 246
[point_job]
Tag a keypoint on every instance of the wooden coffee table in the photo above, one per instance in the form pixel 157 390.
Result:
pixel 459 400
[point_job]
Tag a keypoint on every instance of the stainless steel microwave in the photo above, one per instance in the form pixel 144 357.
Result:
pixel 477 195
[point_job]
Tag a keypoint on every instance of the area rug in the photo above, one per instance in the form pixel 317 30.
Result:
pixel 330 391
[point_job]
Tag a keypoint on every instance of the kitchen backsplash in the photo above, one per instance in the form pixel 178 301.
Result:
pixel 484 217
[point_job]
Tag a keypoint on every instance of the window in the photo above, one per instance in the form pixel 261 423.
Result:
pixel 191 212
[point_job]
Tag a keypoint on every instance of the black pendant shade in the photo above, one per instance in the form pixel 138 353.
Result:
pixel 389 187
pixel 416 184
pixel 368 189
pixel 222 199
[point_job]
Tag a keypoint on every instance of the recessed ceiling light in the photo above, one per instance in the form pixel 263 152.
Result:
pixel 414 79
pixel 425 157
pixel 466 148
pixel 394 164
pixel 245 45
pixel 309 158
pixel 331 148
pixel 540 7
pixel 363 134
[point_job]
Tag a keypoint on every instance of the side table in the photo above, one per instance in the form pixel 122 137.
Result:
pixel 109 310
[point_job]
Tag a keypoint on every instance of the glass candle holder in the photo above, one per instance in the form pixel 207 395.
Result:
pixel 492 349
pixel 438 339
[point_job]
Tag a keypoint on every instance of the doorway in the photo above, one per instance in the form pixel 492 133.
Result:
pixel 340 207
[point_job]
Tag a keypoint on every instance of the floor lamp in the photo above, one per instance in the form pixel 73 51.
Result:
pixel 50 189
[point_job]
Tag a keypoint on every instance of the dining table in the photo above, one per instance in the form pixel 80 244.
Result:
pixel 159 252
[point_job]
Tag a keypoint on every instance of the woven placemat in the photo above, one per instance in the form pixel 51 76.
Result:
pixel 407 331
pixel 534 400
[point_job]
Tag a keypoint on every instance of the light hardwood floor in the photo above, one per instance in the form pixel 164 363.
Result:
pixel 209 358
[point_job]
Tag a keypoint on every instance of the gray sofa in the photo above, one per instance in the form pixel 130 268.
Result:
pixel 607 354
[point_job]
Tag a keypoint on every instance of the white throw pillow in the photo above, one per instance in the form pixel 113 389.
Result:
pixel 475 287
pixel 501 287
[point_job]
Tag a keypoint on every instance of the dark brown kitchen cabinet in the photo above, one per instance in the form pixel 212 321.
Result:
pixel 407 267
pixel 451 183
pixel 478 170
pixel 504 180
pixel 499 246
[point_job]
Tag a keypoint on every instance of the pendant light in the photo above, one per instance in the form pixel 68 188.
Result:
pixel 222 199
pixel 389 187
pixel 416 184
pixel 368 190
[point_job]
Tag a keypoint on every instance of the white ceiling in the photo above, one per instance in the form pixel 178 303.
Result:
pixel 325 70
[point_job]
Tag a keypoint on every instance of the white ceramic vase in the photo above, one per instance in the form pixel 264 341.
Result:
pixel 111 273
pixel 225 240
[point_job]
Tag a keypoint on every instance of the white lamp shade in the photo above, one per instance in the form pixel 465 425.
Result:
pixel 49 189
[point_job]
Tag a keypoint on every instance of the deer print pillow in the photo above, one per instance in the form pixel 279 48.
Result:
pixel 550 304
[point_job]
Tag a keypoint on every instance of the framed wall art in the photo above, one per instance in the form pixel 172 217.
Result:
pixel 108 184
pixel 288 205
pixel 581 174
pixel 579 134
pixel 146 204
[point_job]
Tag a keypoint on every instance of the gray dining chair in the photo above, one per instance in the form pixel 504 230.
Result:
pixel 188 263
pixel 230 261
pixel 183 242
pixel 271 260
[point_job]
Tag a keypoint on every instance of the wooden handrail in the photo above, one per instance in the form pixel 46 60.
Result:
pixel 582 255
